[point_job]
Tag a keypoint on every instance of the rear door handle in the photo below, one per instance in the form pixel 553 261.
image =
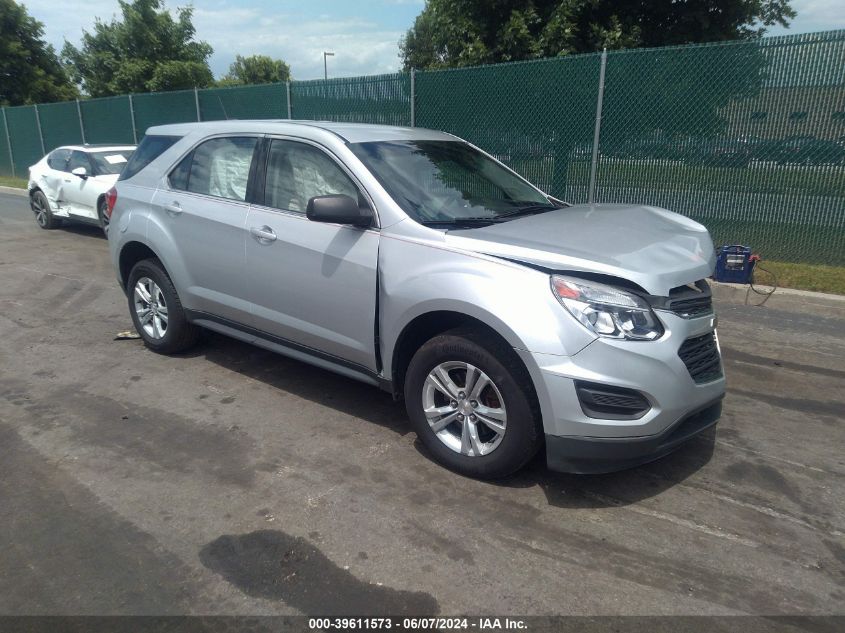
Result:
pixel 174 208
pixel 263 234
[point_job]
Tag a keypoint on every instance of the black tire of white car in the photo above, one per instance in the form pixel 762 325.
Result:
pixel 523 435
pixel 41 208
pixel 180 334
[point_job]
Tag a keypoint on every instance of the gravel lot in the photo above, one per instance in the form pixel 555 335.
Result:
pixel 233 481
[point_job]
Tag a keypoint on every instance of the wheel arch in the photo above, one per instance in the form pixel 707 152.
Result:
pixel 130 254
pixel 426 326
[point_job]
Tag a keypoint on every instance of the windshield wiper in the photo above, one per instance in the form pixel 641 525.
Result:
pixel 530 209
pixel 482 221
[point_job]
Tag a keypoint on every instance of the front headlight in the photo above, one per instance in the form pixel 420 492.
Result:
pixel 606 311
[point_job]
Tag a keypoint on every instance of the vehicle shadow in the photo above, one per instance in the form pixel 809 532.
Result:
pixel 83 230
pixel 620 488
pixel 317 385
pixel 373 405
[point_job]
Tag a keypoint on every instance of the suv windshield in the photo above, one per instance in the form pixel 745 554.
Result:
pixel 110 162
pixel 449 182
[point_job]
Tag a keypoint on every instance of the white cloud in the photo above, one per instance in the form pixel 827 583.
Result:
pixel 361 47
pixel 814 15
pixel 65 21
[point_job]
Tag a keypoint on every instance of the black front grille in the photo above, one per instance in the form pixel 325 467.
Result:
pixel 691 301
pixel 701 357
pixel 612 403
pixel 690 308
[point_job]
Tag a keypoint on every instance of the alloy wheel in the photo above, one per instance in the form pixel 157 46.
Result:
pixel 464 408
pixel 104 219
pixel 37 205
pixel 150 308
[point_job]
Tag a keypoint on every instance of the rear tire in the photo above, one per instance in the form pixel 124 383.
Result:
pixel 157 311
pixel 43 214
pixel 104 219
pixel 506 431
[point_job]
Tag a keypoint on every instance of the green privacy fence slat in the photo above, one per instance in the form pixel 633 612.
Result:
pixel 59 124
pixel 160 108
pixel 244 102
pixel 743 137
pixel 537 117
pixel 381 99
pixel 107 120
pixel 23 133
pixel 5 157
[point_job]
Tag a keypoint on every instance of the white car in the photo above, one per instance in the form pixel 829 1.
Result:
pixel 71 182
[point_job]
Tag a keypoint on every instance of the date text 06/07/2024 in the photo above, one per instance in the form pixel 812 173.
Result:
pixel 416 624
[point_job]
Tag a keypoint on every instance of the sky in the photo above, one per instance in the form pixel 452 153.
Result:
pixel 363 34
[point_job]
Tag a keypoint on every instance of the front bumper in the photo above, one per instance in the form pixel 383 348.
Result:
pixel 595 455
pixel 679 407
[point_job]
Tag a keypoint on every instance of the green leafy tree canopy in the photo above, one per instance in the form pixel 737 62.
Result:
pixel 453 33
pixel 29 68
pixel 147 50
pixel 256 69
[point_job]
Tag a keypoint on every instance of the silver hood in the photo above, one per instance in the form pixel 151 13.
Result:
pixel 654 248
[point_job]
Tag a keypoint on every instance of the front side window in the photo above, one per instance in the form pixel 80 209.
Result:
pixel 296 172
pixel 218 167
pixel 449 182
pixel 79 159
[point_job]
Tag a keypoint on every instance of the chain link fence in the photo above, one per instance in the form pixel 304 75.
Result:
pixel 746 137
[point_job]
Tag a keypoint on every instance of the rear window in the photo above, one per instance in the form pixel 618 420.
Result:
pixel 150 148
pixel 110 162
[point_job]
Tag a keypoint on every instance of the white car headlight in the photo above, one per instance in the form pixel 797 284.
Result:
pixel 607 311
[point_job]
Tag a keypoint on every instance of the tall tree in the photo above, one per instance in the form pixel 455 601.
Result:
pixel 30 71
pixel 148 49
pixel 450 33
pixel 256 69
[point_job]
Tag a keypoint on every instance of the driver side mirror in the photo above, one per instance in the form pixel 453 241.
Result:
pixel 338 209
pixel 81 172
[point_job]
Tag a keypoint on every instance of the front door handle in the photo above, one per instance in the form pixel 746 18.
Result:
pixel 263 234
pixel 174 208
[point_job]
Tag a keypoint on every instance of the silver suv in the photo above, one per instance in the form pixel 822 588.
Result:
pixel 411 260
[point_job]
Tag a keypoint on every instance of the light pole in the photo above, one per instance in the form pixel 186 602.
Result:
pixel 325 67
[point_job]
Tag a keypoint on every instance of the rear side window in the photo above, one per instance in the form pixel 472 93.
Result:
pixel 109 162
pixel 150 148
pixel 58 159
pixel 219 167
pixel 178 178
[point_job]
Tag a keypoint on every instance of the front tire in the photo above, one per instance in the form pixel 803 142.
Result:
pixel 473 405
pixel 157 311
pixel 43 214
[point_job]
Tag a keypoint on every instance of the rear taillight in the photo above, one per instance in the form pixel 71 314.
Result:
pixel 111 198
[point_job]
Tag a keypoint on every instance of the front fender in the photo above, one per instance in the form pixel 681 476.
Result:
pixel 417 277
